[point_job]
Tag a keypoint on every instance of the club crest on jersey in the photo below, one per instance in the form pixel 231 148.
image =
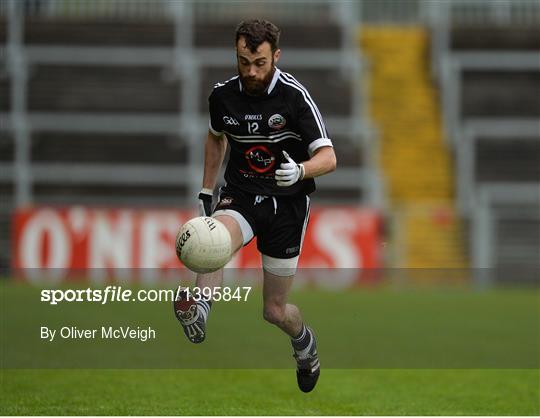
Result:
pixel 276 121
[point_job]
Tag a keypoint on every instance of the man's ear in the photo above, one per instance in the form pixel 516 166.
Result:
pixel 277 54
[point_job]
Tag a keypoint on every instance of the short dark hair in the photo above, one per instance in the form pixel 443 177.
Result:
pixel 257 31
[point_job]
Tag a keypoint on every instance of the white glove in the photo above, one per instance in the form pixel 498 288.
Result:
pixel 289 172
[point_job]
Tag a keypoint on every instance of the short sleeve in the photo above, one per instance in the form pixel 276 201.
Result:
pixel 216 118
pixel 311 124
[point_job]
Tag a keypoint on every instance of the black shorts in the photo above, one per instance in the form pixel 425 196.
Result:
pixel 278 222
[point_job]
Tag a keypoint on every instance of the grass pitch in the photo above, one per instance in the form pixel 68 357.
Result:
pixel 269 392
pixel 382 352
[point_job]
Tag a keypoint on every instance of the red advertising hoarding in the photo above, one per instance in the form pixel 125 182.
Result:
pixel 81 238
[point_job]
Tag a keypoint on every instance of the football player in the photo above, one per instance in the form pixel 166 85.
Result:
pixel 278 144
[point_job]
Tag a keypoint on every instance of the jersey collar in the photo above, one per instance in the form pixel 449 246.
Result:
pixel 274 80
pixel 272 84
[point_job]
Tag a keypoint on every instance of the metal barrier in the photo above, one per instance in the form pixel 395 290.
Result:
pixel 497 202
pixel 454 64
pixel 279 11
pixel 91 9
pixel 185 60
pixel 500 12
pixel 214 11
pixel 466 12
pixel 185 63
pixel 494 129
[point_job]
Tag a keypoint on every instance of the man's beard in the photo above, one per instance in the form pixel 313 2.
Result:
pixel 254 87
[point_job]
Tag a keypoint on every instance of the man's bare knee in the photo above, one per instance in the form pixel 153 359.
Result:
pixel 275 314
pixel 234 229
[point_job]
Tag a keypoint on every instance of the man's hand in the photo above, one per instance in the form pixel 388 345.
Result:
pixel 289 172
pixel 205 202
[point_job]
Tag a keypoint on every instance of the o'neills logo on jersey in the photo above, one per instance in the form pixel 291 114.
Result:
pixel 253 117
pixel 225 201
pixel 260 159
pixel 276 121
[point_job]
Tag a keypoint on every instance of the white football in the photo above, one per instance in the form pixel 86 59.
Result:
pixel 203 244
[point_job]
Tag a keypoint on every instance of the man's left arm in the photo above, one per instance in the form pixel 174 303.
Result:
pixel 322 162
pixel 312 129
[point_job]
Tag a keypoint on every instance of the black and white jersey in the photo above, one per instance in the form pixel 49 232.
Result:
pixel 259 128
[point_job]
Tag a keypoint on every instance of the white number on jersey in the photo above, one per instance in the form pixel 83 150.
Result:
pixel 253 127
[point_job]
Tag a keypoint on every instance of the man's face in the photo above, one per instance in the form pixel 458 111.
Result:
pixel 255 69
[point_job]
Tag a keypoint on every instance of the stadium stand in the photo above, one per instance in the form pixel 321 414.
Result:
pixel 498 142
pixel 115 110
pixel 507 160
pixel 106 102
pixel 322 35
pixel 500 94
pixel 485 66
pixel 415 157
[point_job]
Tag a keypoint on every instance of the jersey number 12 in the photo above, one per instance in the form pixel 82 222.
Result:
pixel 253 127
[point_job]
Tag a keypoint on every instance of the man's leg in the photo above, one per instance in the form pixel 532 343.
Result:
pixel 215 279
pixel 193 314
pixel 287 317
pixel 276 309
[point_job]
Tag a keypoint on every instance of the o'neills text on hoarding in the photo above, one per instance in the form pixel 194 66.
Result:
pixel 112 240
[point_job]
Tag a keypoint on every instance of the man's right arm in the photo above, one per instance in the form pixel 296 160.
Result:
pixel 214 153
